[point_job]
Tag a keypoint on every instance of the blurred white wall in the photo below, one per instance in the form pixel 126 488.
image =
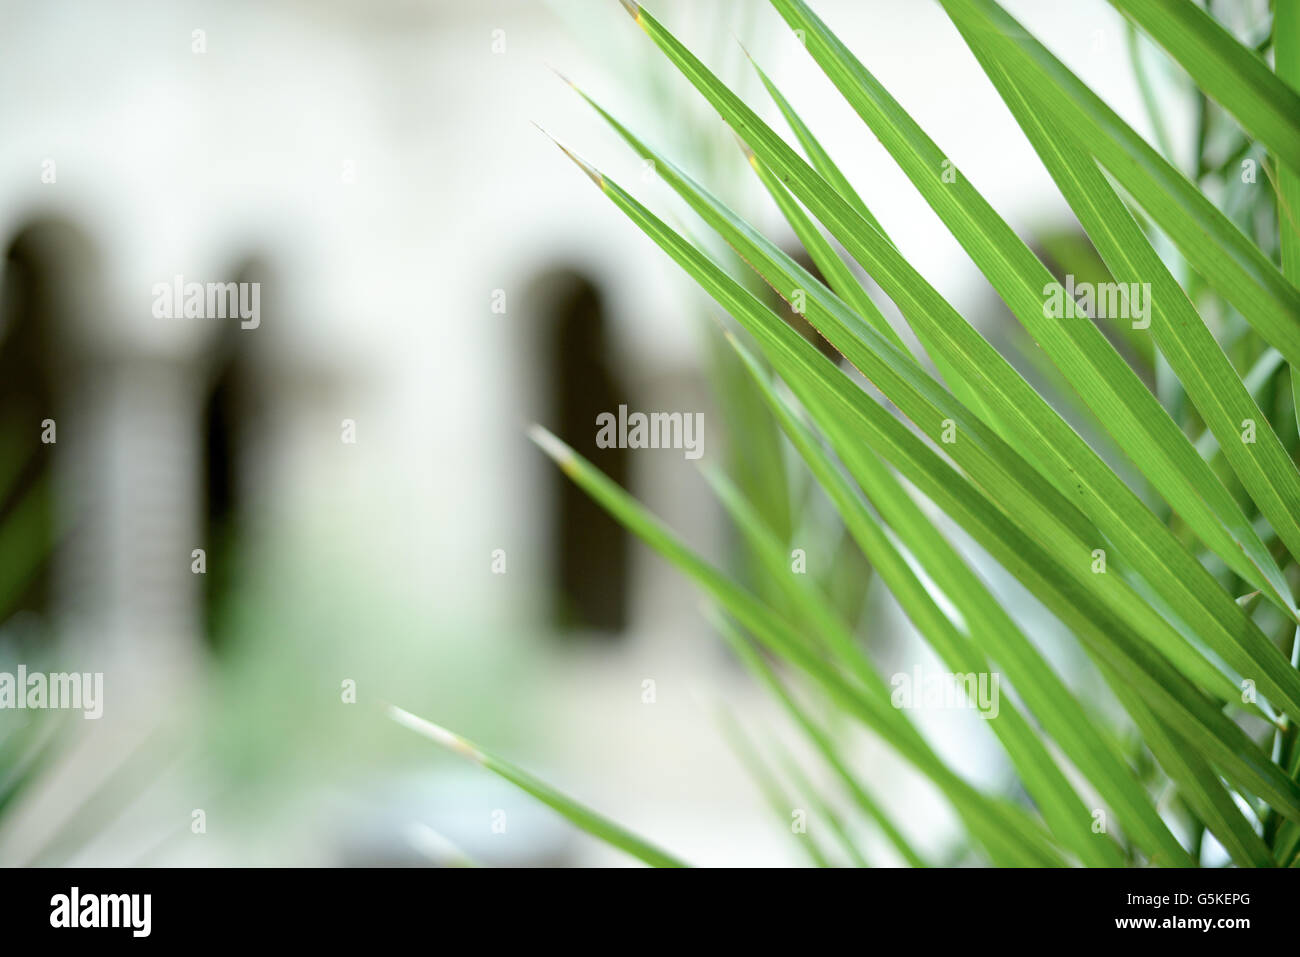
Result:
pixel 381 155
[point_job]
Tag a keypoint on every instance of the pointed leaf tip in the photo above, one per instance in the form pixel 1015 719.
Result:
pixel 561 75
pixel 552 446
pixel 586 167
pixel 744 148
pixel 435 733
pixel 591 171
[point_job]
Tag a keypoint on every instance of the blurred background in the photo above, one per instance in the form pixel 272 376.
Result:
pixel 374 525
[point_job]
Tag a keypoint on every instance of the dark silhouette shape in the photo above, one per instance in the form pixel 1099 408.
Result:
pixel 38 305
pixel 232 419
pixel 590 578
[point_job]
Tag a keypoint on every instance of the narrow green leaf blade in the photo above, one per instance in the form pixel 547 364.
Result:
pixel 1197 783
pixel 817 735
pixel 771 789
pixel 593 823
pixel 1209 241
pixel 1109 386
pixel 1009 836
pixel 798 360
pixel 1242 83
pixel 1203 370
pixel 1106 382
pixel 990 626
pixel 1061 807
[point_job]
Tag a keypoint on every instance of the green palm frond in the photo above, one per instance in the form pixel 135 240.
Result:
pixel 1174 575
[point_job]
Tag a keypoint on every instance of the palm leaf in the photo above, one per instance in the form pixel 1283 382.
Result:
pixel 585 818
pixel 1153 442
pixel 795 358
pixel 1163 625
pixel 1008 833
pixel 991 627
pixel 1083 484
pixel 775 795
pixel 820 739
pixel 1209 241
pixel 1229 72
